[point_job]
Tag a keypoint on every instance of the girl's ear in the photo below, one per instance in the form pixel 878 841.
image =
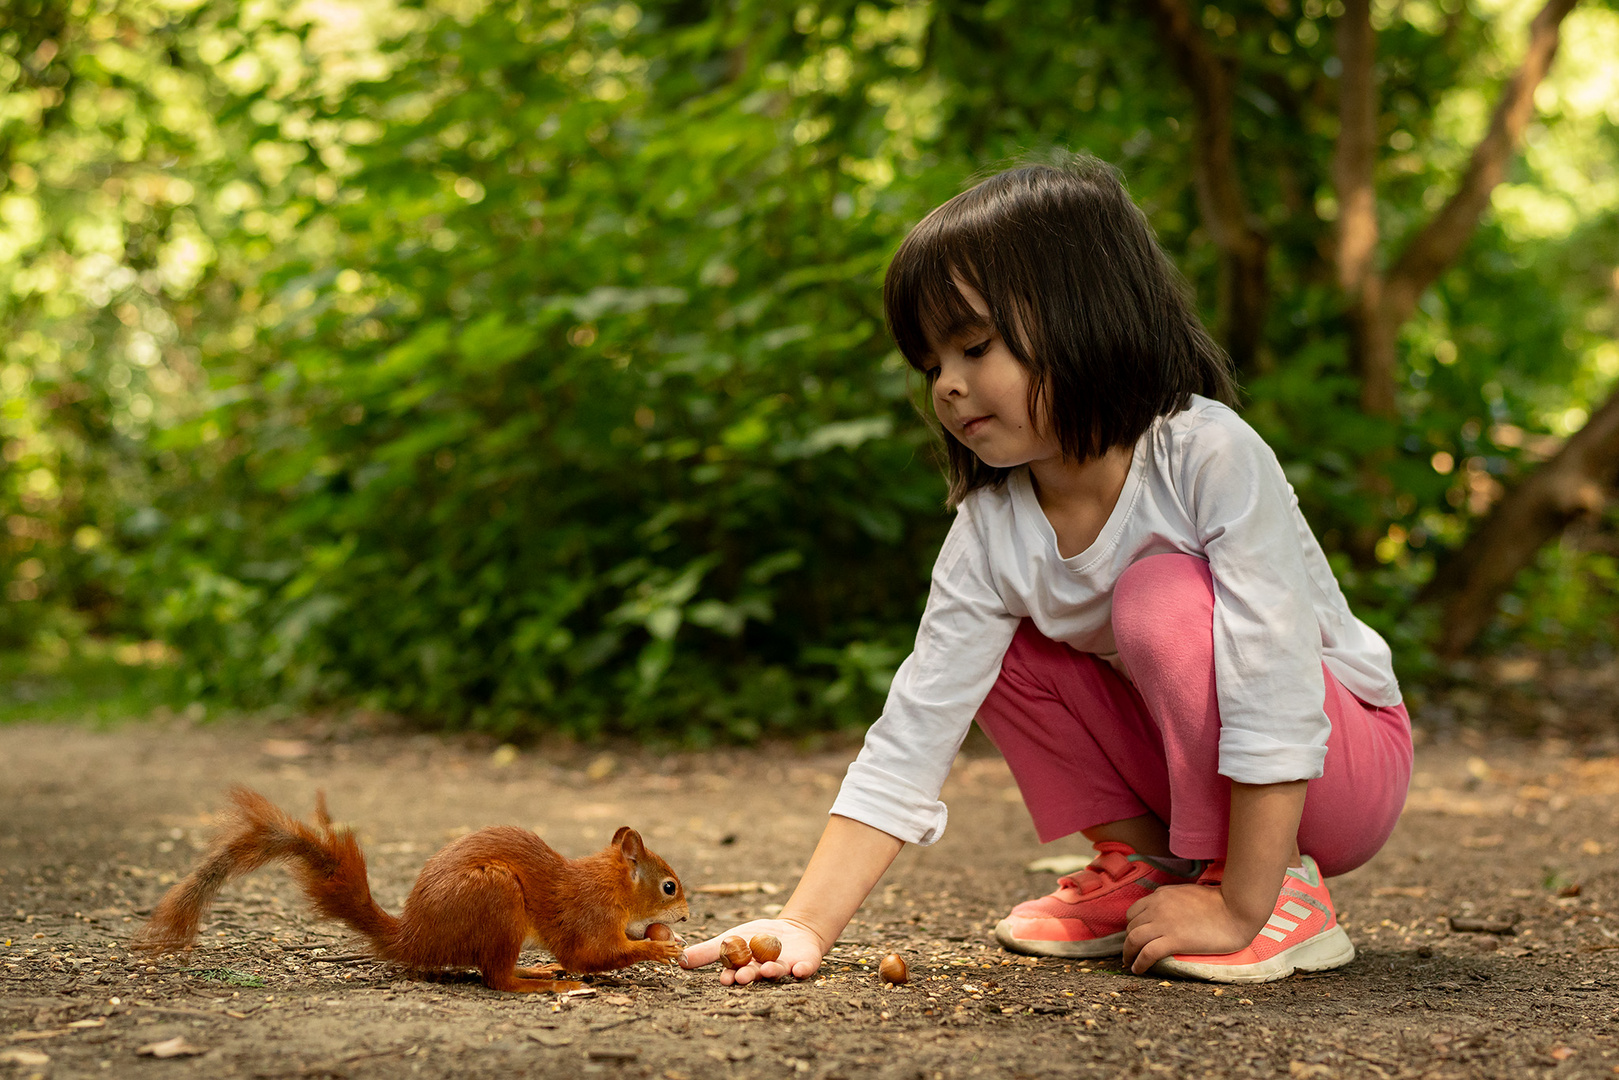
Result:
pixel 629 842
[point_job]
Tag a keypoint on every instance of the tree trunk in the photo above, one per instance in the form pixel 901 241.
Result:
pixel 1378 305
pixel 1244 248
pixel 1568 487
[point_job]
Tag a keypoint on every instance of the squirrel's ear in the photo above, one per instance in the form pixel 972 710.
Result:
pixel 629 842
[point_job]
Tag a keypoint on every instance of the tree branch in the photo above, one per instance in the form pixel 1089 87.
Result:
pixel 1564 489
pixel 1444 237
pixel 1245 290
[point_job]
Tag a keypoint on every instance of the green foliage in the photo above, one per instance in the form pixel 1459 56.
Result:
pixel 58 681
pixel 520 365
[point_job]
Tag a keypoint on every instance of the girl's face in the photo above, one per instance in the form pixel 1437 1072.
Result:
pixel 981 395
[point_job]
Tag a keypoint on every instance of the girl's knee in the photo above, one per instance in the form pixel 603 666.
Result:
pixel 1162 600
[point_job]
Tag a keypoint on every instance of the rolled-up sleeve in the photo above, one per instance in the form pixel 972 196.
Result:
pixel 1267 640
pixel 894 784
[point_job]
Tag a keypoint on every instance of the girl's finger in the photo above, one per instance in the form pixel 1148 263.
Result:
pixel 1150 954
pixel 701 954
pixel 696 957
pixel 1137 939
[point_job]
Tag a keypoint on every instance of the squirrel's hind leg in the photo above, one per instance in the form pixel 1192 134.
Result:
pixel 514 983
pixel 500 972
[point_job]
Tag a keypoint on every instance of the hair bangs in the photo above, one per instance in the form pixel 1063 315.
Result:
pixel 920 298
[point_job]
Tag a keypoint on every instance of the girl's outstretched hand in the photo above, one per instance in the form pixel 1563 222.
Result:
pixel 801 952
pixel 1186 919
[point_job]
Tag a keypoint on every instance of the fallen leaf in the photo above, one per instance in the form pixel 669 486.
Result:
pixel 24 1057
pixel 93 1022
pixel 175 1047
pixel 1060 864
pixel 546 1038
pixel 285 749
pixel 736 888
pixel 27 1036
pixel 1563 1053
pixel 616 999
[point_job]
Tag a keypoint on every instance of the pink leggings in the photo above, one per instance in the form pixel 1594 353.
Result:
pixel 1087 747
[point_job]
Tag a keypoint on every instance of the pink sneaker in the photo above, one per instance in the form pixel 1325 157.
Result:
pixel 1085 916
pixel 1302 934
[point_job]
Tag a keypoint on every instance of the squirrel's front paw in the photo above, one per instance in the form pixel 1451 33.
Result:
pixel 667 951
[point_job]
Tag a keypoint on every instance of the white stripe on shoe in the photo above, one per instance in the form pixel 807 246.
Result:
pixel 1295 909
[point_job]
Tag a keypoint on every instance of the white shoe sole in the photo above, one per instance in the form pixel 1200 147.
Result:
pixel 1112 945
pixel 1323 952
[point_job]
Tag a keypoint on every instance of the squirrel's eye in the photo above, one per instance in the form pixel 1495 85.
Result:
pixel 668 887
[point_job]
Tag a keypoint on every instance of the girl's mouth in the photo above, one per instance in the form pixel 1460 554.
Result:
pixel 971 427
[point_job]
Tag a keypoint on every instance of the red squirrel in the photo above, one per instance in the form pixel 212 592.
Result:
pixel 474 905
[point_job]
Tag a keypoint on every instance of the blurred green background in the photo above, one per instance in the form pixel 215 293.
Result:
pixel 520 365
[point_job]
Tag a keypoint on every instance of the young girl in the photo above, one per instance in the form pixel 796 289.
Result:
pixel 1129 603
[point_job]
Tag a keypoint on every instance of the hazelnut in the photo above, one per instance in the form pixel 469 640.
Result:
pixel 659 932
pixel 734 951
pixel 892 969
pixel 765 947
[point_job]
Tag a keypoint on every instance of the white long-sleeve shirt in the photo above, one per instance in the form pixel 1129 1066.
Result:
pixel 1201 482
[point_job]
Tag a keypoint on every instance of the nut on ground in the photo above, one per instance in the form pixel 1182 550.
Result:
pixel 893 969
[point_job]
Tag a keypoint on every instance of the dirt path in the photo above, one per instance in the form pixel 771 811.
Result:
pixel 93 825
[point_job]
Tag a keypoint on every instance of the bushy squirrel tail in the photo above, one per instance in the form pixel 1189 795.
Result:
pixel 327 862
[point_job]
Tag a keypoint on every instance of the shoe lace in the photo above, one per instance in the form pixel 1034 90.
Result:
pixel 1112 862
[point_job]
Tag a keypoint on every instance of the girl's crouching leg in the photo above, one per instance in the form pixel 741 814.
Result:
pixel 1074 736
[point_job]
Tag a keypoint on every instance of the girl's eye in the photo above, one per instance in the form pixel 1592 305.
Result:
pixel 975 351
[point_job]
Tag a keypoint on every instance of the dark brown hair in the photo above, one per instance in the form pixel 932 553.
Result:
pixel 1079 290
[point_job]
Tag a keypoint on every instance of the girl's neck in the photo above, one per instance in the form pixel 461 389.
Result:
pixel 1078 497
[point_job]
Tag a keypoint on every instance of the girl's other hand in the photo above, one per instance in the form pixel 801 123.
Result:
pixel 1184 919
pixel 801 952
